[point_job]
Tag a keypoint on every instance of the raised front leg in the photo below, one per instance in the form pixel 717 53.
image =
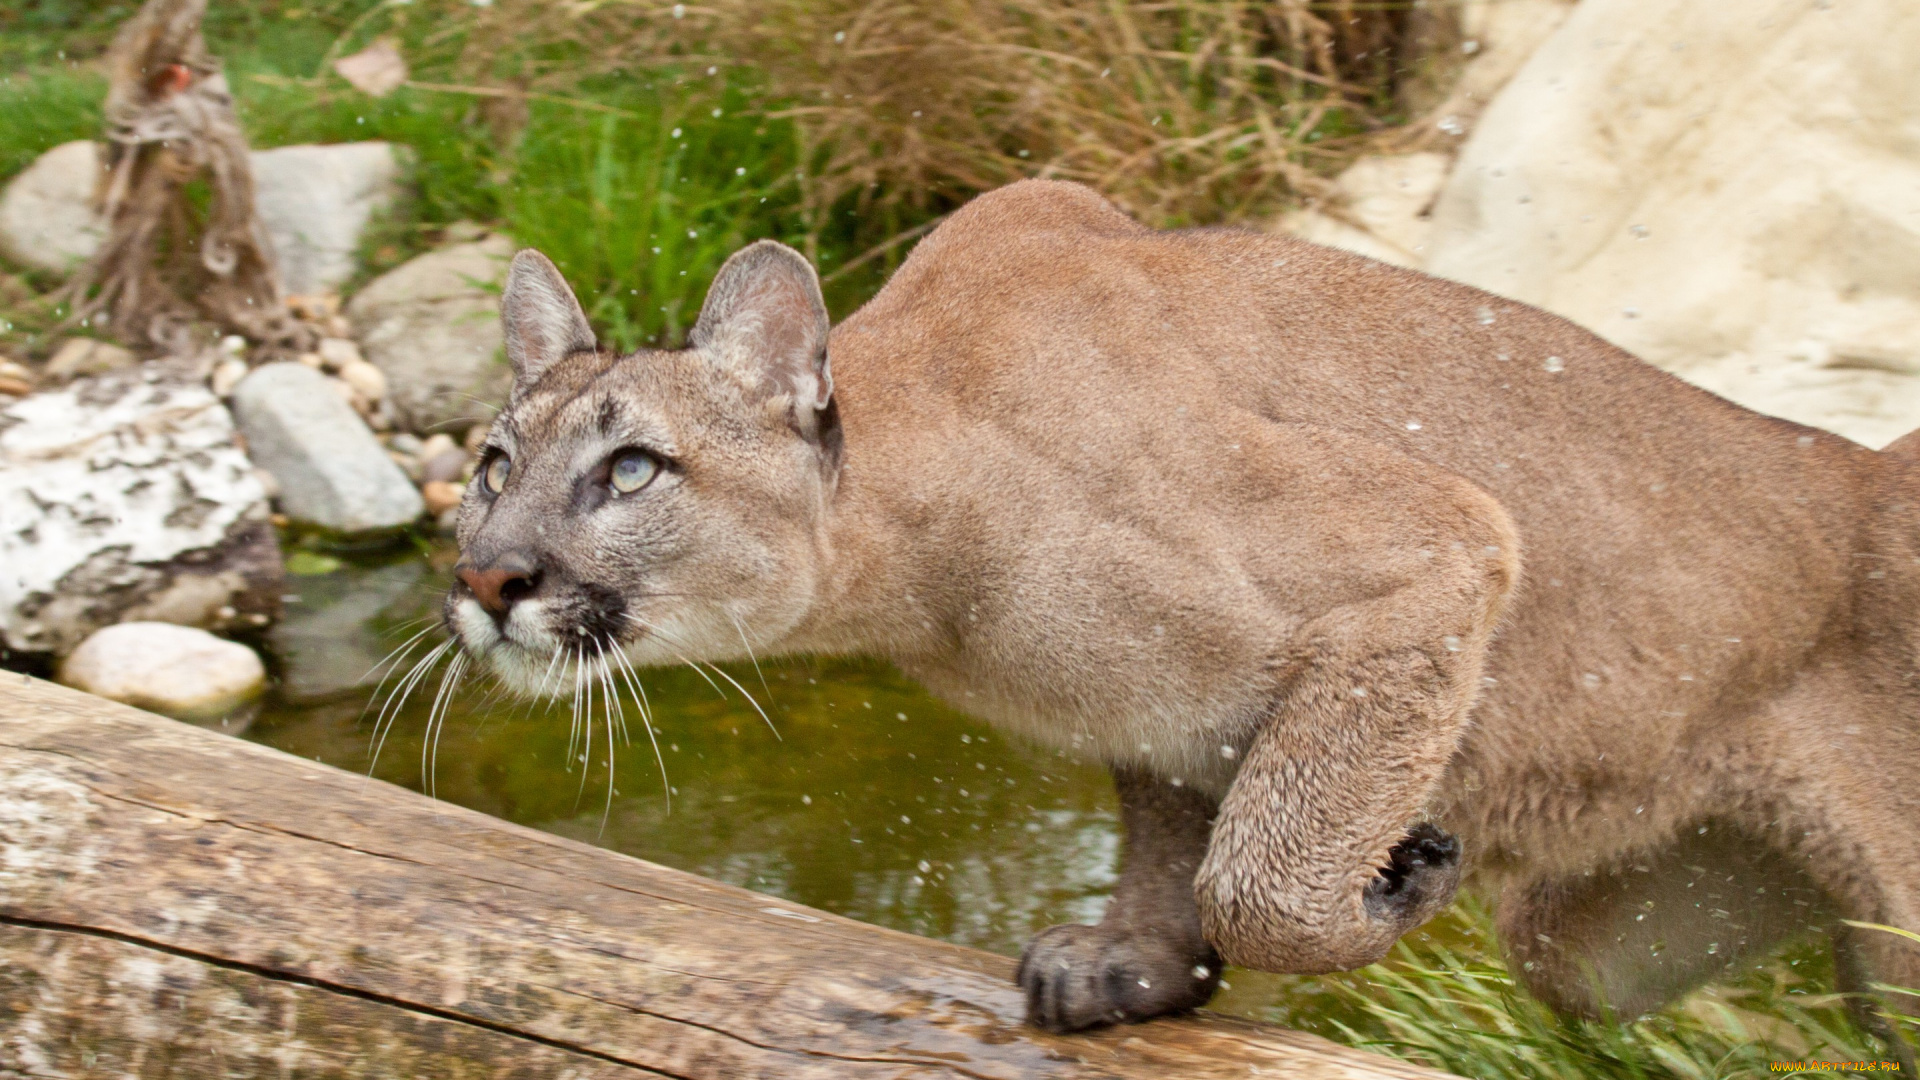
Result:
pixel 1147 956
pixel 1318 862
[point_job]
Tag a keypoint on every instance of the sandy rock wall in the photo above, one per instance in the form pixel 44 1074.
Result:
pixel 1731 191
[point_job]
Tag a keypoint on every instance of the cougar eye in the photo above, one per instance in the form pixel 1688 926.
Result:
pixel 494 476
pixel 632 470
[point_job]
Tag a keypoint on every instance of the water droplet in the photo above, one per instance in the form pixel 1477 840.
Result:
pixel 1592 681
pixel 1451 642
pixel 1359 691
pixel 1631 313
pixel 925 867
pixel 679 11
pixel 1555 364
pixel 1413 425
pixel 1145 985
pixel 1229 753
pixel 676 133
pixel 806 800
pixel 839 35
pixel 1640 232
pixel 1202 971
pixel 905 820
pixel 1485 315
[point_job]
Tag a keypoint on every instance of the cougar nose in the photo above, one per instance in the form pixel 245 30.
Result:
pixel 503 581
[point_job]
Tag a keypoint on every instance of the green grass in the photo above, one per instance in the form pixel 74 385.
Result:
pixel 1445 1000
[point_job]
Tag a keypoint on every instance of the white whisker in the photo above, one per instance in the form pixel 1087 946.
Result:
pixel 646 718
pixel 750 701
pixel 613 707
pixel 436 720
pixel 390 709
pixel 741 629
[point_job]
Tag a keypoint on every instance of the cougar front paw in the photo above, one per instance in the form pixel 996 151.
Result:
pixel 1084 976
pixel 1422 872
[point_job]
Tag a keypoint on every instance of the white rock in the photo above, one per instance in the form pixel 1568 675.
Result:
pixel 47 219
pixel 434 328
pixel 1713 186
pixel 177 670
pixel 332 471
pixel 124 498
pixel 315 202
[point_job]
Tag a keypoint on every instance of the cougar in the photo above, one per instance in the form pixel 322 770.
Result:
pixel 1355 578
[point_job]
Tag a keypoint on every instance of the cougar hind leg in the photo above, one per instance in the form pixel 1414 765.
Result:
pixel 1634 937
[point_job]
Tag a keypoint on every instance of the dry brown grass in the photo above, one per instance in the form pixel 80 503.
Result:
pixel 1184 111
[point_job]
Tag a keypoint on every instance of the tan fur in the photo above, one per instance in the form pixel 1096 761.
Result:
pixel 1245 516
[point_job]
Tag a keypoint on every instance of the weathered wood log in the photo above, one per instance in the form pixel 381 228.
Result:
pixel 178 903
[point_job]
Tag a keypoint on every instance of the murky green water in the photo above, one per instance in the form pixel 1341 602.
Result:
pixel 874 801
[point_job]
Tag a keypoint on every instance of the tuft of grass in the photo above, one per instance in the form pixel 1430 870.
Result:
pixel 1445 1000
pixel 640 208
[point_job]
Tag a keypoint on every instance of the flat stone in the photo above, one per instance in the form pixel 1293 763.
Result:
pixel 332 472
pixel 315 202
pixel 182 672
pixel 47 219
pixel 433 326
pixel 123 497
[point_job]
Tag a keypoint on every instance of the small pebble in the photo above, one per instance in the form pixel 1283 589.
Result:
pixel 370 381
pixel 338 353
pixel 441 496
pixel 227 375
pixel 448 465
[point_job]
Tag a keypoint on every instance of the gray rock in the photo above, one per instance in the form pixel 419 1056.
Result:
pixel 47 220
pixel 184 673
pixel 124 497
pixel 333 473
pixel 315 202
pixel 434 327
pixel 344 624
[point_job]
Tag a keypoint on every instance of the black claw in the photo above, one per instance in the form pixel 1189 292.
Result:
pixel 1425 848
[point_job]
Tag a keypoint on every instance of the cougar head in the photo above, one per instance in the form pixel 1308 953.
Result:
pixel 668 505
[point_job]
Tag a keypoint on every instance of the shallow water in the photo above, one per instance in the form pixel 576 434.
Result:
pixel 873 800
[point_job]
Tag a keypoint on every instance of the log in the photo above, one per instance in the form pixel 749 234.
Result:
pixel 179 903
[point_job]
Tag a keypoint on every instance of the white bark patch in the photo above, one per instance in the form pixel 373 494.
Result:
pixel 118 471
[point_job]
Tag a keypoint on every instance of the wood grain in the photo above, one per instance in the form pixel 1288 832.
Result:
pixel 178 903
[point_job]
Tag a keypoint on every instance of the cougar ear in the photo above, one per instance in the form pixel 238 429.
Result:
pixel 765 318
pixel 543 321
